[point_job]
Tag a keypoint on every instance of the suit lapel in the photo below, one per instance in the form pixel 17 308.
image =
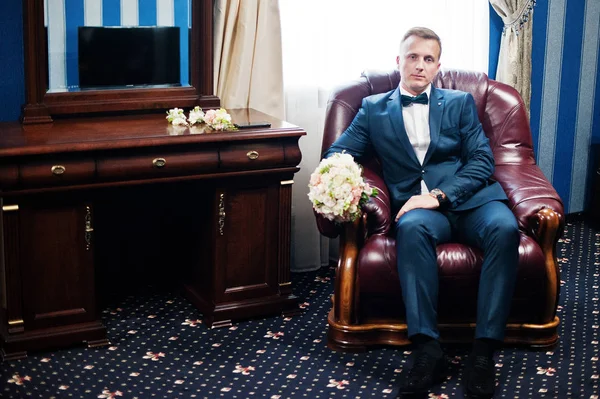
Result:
pixel 436 110
pixel 397 120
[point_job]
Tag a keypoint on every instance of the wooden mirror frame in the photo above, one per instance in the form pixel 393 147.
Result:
pixel 40 106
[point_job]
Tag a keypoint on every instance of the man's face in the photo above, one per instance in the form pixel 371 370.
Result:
pixel 418 63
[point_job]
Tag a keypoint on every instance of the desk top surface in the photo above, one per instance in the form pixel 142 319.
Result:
pixel 116 132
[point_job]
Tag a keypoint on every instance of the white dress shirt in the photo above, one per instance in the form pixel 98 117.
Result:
pixel 416 123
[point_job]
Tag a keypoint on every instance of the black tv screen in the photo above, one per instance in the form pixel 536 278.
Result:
pixel 128 56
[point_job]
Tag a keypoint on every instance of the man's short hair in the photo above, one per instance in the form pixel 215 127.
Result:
pixel 423 33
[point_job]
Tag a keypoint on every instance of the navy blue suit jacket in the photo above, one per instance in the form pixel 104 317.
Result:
pixel 459 160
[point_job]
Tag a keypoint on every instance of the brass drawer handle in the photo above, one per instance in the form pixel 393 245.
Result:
pixel 159 162
pixel 222 213
pixel 252 155
pixel 88 228
pixel 58 170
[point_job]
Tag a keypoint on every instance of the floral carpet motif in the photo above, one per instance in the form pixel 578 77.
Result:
pixel 160 349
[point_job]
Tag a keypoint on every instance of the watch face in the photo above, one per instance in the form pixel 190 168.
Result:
pixel 439 195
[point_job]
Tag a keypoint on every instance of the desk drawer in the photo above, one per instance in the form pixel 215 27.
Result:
pixel 57 172
pixel 252 156
pixel 157 165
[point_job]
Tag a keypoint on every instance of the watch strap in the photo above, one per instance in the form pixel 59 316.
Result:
pixel 439 195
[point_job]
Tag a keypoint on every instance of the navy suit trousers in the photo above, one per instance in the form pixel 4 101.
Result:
pixel 491 227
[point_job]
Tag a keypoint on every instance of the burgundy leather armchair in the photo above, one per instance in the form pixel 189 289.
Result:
pixel 367 302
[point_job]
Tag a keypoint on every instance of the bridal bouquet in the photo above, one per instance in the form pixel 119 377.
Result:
pixel 216 119
pixel 337 189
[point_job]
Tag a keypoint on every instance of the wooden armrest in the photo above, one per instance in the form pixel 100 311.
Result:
pixel 546 229
pixel 351 238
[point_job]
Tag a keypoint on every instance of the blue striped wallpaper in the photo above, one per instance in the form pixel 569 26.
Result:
pixel 565 95
pixel 111 12
pixel 596 122
pixel 147 10
pixel 182 18
pixel 496 25
pixel 538 55
pixel 571 66
pixel 74 17
pixel 63 17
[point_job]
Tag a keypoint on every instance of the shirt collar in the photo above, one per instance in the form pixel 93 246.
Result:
pixel 406 93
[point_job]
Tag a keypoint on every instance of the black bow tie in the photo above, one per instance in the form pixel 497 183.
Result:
pixel 420 99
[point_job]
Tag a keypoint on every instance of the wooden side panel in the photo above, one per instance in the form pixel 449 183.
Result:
pixel 284 236
pixel 57 258
pixel 247 249
pixel 10 280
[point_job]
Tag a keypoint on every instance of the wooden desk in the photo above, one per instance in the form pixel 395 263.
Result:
pixel 71 189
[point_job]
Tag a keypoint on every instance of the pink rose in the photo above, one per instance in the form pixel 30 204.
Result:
pixel 210 116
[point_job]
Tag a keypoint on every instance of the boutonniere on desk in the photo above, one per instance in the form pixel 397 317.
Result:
pixel 216 119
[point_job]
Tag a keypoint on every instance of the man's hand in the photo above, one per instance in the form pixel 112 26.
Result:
pixel 423 201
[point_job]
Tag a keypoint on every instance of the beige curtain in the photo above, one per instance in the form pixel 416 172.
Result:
pixel 247 51
pixel 514 61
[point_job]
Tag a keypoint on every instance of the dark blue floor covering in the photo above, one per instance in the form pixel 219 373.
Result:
pixel 160 349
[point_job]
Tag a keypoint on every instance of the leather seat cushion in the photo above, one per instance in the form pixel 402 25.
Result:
pixel 459 270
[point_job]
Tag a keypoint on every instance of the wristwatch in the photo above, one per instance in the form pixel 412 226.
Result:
pixel 439 195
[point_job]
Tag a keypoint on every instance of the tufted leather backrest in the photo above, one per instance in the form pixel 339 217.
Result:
pixel 499 106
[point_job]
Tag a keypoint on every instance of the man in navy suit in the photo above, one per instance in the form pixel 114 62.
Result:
pixel 437 164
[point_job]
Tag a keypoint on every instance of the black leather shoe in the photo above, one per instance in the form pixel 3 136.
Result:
pixel 427 370
pixel 479 380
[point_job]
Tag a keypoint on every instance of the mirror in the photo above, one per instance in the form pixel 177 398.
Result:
pixel 74 65
pixel 106 47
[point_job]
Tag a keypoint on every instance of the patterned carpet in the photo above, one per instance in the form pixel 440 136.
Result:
pixel 160 349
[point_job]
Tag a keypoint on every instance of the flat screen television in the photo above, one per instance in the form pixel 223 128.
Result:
pixel 128 56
